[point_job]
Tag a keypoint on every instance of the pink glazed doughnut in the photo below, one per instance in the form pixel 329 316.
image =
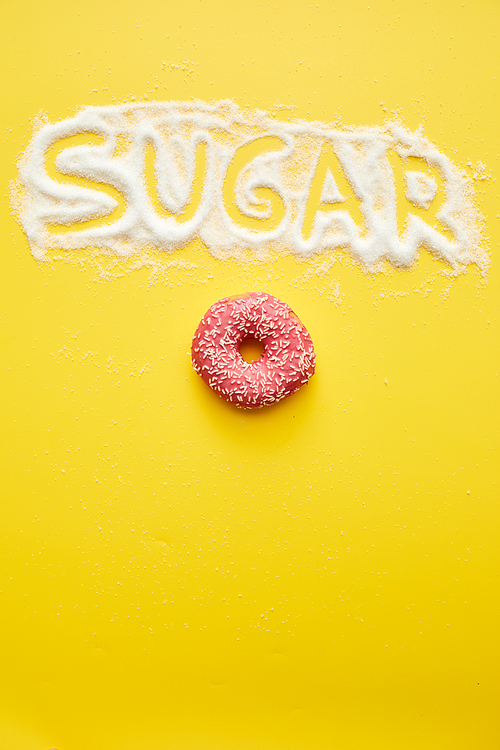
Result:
pixel 287 361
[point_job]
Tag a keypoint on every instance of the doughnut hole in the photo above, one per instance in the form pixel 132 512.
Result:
pixel 251 349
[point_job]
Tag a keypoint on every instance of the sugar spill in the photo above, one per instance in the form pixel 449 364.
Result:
pixel 242 181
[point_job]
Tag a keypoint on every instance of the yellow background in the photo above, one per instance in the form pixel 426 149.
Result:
pixel 320 574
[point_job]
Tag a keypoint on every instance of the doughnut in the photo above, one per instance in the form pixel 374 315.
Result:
pixel 287 362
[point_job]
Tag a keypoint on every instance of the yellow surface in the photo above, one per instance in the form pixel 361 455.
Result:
pixel 176 574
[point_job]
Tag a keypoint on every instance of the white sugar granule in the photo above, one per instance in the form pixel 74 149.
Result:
pixel 243 182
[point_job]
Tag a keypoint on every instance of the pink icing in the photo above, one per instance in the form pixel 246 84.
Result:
pixel 287 362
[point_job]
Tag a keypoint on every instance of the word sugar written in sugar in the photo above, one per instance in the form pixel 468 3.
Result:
pixel 159 175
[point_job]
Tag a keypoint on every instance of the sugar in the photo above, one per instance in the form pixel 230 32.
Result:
pixel 243 181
